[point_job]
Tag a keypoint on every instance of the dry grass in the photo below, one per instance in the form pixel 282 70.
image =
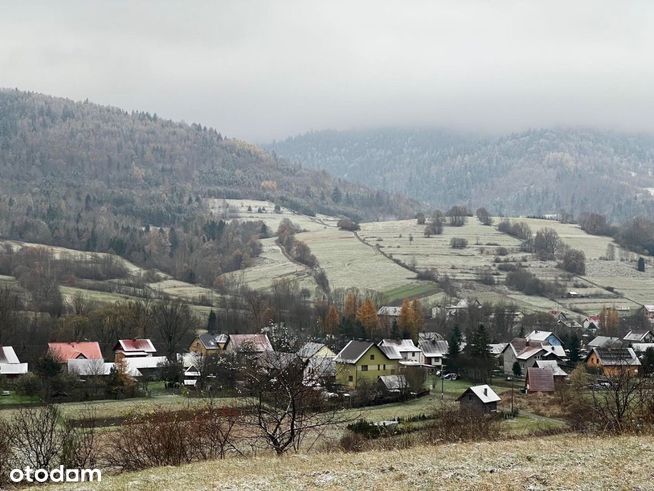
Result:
pixel 560 462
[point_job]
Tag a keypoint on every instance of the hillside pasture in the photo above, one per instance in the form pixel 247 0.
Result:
pixel 248 210
pixel 350 263
pixel 272 265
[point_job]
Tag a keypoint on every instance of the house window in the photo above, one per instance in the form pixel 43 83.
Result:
pixel 384 366
pixel 350 378
pixel 378 367
pixel 364 368
pixel 372 357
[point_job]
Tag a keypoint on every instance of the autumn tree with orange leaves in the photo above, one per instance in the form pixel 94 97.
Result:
pixel 367 317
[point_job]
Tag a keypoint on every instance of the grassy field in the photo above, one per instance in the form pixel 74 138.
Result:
pixel 559 462
pixel 350 263
pixel 273 265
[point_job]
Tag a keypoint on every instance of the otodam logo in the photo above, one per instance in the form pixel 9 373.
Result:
pixel 58 474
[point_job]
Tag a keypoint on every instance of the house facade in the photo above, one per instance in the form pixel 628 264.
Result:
pixel 614 362
pixel 362 362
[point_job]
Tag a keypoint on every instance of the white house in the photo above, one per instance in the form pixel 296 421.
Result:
pixel 10 366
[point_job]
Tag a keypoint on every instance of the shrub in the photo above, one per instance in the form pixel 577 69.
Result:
pixel 502 251
pixel 460 426
pixel 458 243
pixel 347 224
pixel 574 261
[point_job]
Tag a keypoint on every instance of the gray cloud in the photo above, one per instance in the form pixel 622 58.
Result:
pixel 261 70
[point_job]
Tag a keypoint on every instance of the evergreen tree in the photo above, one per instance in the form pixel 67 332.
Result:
pixel 648 361
pixel 212 322
pixel 574 349
pixel 517 369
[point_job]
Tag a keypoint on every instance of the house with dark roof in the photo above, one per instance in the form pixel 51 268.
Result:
pixel 539 380
pixel 363 362
pixel 434 352
pixel 641 336
pixel 208 344
pixel 10 366
pixel 614 362
pixel 479 398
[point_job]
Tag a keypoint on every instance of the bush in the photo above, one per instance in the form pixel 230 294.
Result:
pixel 28 385
pixel 461 426
pixel 347 224
pixel 458 243
pixel 574 261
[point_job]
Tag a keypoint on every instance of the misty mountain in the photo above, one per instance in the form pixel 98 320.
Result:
pixel 533 172
pixel 52 146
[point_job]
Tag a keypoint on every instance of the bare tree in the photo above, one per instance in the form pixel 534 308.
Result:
pixel 281 407
pixel 174 323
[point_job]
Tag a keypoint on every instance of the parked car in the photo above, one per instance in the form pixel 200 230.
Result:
pixel 450 376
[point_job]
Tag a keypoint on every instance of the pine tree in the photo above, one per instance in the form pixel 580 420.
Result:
pixel 574 349
pixel 212 322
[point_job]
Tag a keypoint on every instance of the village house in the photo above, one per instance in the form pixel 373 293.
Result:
pixel 564 320
pixel 388 314
pixel 604 342
pixel 10 366
pixel 315 350
pixel 133 348
pixel 208 344
pixel 402 350
pixel 434 352
pixel 452 309
pixel 479 398
pixel 248 343
pixel 591 323
pixel 527 351
pixel 559 374
pixel 649 312
pixel 87 350
pixel 642 336
pixel 539 380
pixel 362 362
pixel 640 348
pixel 613 362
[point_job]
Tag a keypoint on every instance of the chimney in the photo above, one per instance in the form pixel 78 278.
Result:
pixel 485 391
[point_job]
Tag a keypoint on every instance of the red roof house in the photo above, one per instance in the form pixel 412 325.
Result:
pixel 539 380
pixel 89 350
pixel 134 347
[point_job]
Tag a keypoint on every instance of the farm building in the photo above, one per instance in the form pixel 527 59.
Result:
pixel 393 384
pixel 131 348
pixel 360 362
pixel 10 366
pixel 649 312
pixel 614 362
pixel 479 398
pixel 539 380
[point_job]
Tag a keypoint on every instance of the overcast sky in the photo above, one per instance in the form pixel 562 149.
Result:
pixel 262 70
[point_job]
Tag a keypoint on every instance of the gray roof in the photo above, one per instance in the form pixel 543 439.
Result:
pixel 209 341
pixel 434 349
pixel 402 345
pixel 483 392
pixel 393 383
pixel 309 349
pixel 353 351
pixel 604 342
pixel 552 365
pixel 617 356
pixel 254 343
pixel 391 351
pixel 636 336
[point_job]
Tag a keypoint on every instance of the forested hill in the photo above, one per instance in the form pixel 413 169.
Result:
pixel 50 146
pixel 534 172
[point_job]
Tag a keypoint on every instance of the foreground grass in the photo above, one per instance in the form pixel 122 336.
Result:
pixel 561 462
